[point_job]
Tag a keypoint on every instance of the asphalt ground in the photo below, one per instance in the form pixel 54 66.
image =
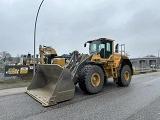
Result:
pixel 140 100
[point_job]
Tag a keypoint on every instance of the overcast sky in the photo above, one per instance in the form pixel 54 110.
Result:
pixel 67 24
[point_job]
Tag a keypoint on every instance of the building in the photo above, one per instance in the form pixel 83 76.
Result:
pixel 148 61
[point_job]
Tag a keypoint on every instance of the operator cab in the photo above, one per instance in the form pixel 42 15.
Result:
pixel 48 58
pixel 102 46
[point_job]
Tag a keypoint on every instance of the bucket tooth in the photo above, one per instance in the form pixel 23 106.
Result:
pixel 51 84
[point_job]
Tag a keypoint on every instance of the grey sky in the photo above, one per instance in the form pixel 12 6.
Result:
pixel 67 24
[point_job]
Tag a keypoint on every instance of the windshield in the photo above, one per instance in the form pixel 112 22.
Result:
pixel 95 47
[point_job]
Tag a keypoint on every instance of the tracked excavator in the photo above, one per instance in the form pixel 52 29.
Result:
pixel 48 55
pixel 54 83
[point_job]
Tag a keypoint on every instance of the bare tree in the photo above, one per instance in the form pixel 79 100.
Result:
pixel 5 57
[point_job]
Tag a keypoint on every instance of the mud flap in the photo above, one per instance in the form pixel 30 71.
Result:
pixel 51 84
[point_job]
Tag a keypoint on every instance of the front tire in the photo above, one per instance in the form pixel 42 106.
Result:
pixel 91 79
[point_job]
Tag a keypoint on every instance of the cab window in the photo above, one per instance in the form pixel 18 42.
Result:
pixel 108 47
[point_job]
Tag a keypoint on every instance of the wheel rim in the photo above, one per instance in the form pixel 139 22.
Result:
pixel 95 79
pixel 126 75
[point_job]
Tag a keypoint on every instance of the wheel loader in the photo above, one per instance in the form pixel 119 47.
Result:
pixel 53 83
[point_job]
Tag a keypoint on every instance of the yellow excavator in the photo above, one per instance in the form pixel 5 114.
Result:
pixel 48 55
pixel 54 83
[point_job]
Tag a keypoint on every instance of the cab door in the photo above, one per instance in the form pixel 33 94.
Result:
pixel 105 49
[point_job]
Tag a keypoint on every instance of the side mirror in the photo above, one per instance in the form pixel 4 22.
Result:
pixel 85 44
pixel 116 48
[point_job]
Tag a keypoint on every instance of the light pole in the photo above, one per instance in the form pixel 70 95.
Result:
pixel 35 36
pixel 158 58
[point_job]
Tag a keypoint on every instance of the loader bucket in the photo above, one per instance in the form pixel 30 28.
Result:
pixel 51 84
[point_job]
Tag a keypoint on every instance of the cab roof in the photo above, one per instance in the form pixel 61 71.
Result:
pixel 100 39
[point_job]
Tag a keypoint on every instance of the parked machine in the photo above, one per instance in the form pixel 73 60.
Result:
pixel 48 55
pixel 54 83
pixel 27 60
pixel 23 69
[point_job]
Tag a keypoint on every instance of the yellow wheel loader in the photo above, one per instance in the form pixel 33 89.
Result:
pixel 53 83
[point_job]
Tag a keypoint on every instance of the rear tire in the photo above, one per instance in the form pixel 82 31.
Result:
pixel 91 79
pixel 125 76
